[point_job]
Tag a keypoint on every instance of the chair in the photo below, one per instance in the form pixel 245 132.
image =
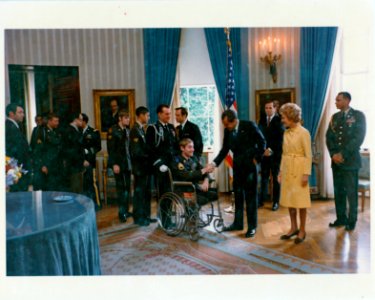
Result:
pixel 364 178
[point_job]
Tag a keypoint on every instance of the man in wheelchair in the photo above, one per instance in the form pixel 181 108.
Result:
pixel 186 167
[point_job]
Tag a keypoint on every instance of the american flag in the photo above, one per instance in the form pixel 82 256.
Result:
pixel 230 95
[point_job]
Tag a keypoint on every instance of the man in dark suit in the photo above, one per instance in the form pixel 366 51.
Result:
pixel 119 160
pixel 74 154
pixel 92 145
pixel 345 135
pixel 16 145
pixel 273 131
pixel 161 138
pixel 141 169
pixel 187 129
pixel 50 157
pixel 247 143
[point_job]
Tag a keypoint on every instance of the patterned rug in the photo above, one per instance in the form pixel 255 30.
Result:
pixel 133 250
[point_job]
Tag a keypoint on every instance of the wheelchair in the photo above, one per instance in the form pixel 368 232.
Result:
pixel 180 211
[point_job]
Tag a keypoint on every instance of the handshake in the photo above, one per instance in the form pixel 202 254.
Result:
pixel 209 168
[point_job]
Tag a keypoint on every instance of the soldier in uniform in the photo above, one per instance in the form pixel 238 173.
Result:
pixel 161 138
pixel 187 129
pixel 140 169
pixel 74 154
pixel 119 161
pixel 38 137
pixel 186 167
pixel 50 155
pixel 92 145
pixel 344 137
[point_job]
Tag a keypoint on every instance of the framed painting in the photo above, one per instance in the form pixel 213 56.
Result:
pixel 280 96
pixel 107 104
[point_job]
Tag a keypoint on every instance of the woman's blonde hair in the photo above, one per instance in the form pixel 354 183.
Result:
pixel 291 111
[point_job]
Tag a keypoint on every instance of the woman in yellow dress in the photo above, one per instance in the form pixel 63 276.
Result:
pixel 295 169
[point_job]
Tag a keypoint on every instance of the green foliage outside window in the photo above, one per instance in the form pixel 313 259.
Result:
pixel 200 102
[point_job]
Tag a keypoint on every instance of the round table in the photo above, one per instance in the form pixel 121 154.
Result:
pixel 51 233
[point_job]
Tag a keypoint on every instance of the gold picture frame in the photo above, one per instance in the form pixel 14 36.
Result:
pixel 102 110
pixel 283 96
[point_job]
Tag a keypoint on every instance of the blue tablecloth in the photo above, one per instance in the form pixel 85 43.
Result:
pixel 51 233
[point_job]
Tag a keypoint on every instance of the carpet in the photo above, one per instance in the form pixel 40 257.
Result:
pixel 132 250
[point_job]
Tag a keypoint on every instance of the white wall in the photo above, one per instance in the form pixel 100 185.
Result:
pixel 107 58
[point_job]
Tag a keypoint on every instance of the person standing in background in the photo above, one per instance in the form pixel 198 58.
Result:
pixel 92 145
pixel 344 137
pixel 119 160
pixel 74 154
pixel 16 145
pixel 141 169
pixel 273 131
pixel 189 130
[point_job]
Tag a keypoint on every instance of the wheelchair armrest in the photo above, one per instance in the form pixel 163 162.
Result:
pixel 183 186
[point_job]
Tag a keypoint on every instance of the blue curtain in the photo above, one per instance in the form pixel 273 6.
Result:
pixel 317 47
pixel 160 55
pixel 217 49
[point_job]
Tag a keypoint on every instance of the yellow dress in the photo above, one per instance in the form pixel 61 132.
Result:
pixel 295 162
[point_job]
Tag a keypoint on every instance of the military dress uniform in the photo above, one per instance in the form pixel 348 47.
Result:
pixel 92 145
pixel 184 169
pixel 119 154
pixel 161 139
pixel 73 158
pixel 142 175
pixel 345 135
pixel 51 157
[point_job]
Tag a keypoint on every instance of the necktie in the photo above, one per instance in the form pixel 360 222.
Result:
pixel 268 121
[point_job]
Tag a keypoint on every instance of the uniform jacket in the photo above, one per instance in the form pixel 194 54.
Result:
pixel 188 170
pixel 118 147
pixel 73 151
pixel 51 154
pixel 192 132
pixel 345 135
pixel 248 144
pixel 92 144
pixel 139 151
pixel 273 135
pixel 162 144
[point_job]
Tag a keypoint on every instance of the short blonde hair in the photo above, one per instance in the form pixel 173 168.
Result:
pixel 184 142
pixel 291 111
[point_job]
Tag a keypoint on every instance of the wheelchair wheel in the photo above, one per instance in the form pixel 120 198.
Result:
pixel 219 225
pixel 172 214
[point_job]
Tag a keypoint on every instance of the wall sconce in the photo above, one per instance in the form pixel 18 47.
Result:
pixel 268 45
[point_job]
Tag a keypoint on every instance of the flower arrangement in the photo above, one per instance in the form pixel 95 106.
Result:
pixel 13 171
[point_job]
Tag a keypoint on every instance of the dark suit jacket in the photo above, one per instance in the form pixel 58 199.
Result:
pixel 192 132
pixel 248 144
pixel 274 136
pixel 139 151
pixel 345 136
pixel 162 144
pixel 16 145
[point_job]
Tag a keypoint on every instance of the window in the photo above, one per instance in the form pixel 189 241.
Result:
pixel 200 102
